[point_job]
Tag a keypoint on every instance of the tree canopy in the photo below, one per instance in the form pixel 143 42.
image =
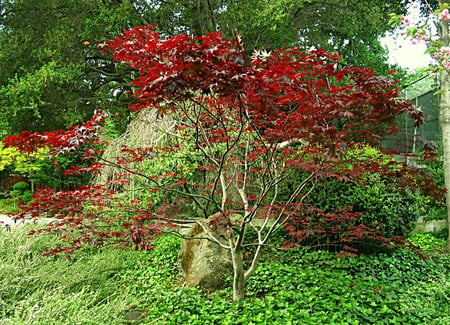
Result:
pixel 53 76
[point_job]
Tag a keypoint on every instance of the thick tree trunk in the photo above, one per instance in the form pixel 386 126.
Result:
pixel 202 20
pixel 444 117
pixel 239 274
pixel 445 127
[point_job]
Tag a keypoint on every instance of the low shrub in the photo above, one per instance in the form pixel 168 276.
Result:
pixel 20 193
pixel 361 215
pixel 380 202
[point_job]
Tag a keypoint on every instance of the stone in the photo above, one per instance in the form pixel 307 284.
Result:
pixel 134 317
pixel 429 226
pixel 204 263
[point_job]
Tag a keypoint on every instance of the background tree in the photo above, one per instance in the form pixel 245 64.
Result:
pixel 444 104
pixel 351 28
pixel 52 76
pixel 332 25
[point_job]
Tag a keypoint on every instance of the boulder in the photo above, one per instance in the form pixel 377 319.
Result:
pixel 204 263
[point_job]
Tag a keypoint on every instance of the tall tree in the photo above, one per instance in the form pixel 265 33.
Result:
pixel 351 28
pixel 52 75
pixel 441 52
pixel 444 109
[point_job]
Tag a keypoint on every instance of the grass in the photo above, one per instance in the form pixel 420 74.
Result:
pixel 297 287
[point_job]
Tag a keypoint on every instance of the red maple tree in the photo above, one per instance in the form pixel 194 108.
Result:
pixel 254 123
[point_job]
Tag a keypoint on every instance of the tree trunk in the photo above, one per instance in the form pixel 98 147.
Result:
pixel 202 18
pixel 444 118
pixel 238 274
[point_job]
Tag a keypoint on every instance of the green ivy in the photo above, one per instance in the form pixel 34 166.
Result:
pixel 295 286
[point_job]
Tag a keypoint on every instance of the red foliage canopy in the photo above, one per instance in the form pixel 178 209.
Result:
pixel 288 94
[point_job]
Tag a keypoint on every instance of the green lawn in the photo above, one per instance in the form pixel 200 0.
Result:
pixel 296 287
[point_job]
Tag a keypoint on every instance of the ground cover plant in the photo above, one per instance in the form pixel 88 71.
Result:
pixel 251 124
pixel 111 286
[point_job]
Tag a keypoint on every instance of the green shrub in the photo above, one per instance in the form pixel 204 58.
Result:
pixel 441 234
pixel 21 186
pixel 8 205
pixel 380 201
pixel 19 193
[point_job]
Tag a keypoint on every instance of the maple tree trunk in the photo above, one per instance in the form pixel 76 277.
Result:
pixel 444 118
pixel 238 274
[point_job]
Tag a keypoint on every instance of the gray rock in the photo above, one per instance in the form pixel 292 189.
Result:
pixel 204 263
pixel 429 226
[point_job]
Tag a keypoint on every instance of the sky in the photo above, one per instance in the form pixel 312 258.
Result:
pixel 402 51
pixel 405 54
